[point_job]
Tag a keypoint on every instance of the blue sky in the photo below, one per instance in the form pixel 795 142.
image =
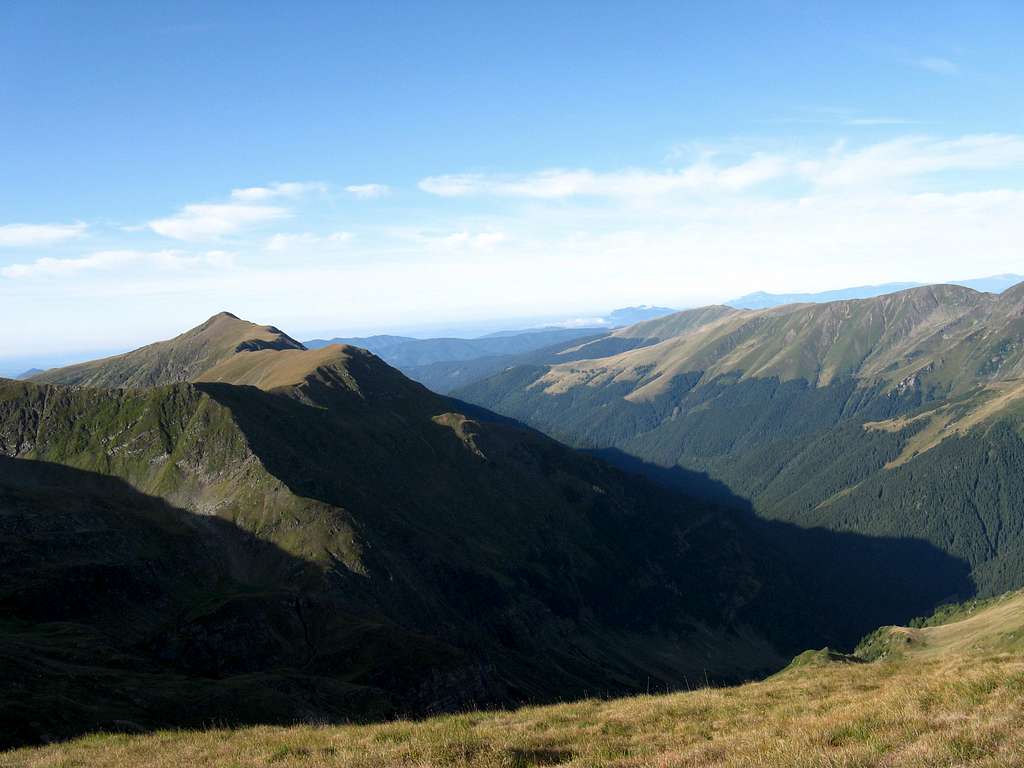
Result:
pixel 354 167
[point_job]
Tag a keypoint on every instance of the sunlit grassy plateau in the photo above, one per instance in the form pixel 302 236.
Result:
pixel 941 694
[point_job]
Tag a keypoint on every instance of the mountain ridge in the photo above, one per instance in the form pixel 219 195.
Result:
pixel 815 412
pixel 362 529
pixel 763 300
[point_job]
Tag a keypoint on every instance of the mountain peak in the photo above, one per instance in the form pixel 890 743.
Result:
pixel 223 321
pixel 1012 299
pixel 182 358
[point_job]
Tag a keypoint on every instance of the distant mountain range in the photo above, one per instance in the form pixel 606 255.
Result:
pixel 629 315
pixel 406 352
pixel 445 363
pixel 760 300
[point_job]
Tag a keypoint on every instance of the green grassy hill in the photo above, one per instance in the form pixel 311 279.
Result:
pixel 895 416
pixel 945 695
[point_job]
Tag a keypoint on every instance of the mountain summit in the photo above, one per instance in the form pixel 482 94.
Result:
pixel 179 359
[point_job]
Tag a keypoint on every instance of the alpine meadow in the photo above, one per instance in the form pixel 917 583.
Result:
pixel 464 385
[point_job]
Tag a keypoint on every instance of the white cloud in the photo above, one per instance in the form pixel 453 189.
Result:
pixel 481 240
pixel 583 322
pixel 50 267
pixel 277 189
pixel 306 240
pixel 937 65
pixel 560 183
pixel 454 242
pixel 368 191
pixel 220 259
pixel 914 156
pixel 877 121
pixel 105 261
pixel 204 221
pixel 28 235
pixel 905 157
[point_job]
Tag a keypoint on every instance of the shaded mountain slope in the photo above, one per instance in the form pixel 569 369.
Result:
pixel 121 611
pixel 361 546
pixel 339 542
pixel 420 510
pixel 378 549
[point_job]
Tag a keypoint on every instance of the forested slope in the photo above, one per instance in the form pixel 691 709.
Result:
pixel 897 416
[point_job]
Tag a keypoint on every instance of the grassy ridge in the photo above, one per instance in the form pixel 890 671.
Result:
pixel 954 697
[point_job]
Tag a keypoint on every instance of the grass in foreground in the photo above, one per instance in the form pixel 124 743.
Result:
pixel 948 695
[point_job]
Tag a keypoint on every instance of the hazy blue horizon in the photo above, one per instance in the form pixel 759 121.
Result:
pixel 17 365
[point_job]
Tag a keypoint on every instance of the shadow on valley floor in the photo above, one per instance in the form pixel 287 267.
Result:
pixel 828 587
pixel 856 582
pixel 698 485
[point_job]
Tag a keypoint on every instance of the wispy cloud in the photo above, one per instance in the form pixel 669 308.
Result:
pixel 937 65
pixel 462 240
pixel 560 183
pixel 906 157
pixel 28 235
pixel 248 207
pixel 112 260
pixel 279 189
pixel 833 116
pixel 211 220
pixel 306 241
pixel 368 191
pixel 479 240
pixel 870 121
pixel 913 156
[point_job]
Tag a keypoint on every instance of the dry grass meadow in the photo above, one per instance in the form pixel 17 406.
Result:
pixel 950 695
